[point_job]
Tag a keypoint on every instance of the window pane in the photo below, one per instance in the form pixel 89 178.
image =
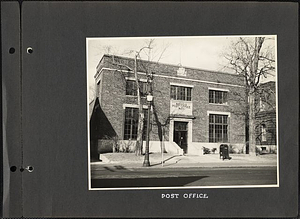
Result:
pixel 218 128
pixel 218 119
pixel 173 92
pixel 211 96
pixel 128 88
pixel 219 97
pixel 131 88
pixel 181 93
pixel 134 136
pixel 218 132
pixel 211 118
pixel 134 130
pixel 135 114
pixel 211 133
pixel 225 119
pixel 134 88
pixel 131 123
pixel 143 88
pixel 189 93
pixel 127 113
pixel 224 97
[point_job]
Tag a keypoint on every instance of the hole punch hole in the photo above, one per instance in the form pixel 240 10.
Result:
pixel 11 50
pixel 30 169
pixel 13 168
pixel 29 50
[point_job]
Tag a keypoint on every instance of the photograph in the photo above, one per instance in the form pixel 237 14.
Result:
pixel 182 112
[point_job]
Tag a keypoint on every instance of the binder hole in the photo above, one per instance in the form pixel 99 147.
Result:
pixel 30 169
pixel 22 169
pixel 11 50
pixel 29 50
pixel 13 168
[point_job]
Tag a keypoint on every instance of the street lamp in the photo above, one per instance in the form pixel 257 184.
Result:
pixel 146 160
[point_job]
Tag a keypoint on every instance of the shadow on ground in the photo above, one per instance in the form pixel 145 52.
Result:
pixel 165 160
pixel 145 182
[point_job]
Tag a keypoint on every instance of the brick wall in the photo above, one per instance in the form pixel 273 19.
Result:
pixel 266 115
pixel 113 97
pixel 267 118
pixel 109 61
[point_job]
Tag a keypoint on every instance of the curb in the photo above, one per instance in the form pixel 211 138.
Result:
pixel 210 167
pixel 206 165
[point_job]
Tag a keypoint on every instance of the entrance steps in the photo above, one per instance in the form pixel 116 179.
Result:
pixel 172 147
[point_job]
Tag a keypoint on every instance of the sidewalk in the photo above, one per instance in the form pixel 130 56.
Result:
pixel 130 160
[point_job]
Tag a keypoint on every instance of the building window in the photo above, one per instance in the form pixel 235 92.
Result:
pixel 218 128
pixel 218 97
pixel 262 105
pixel 131 88
pixel 263 133
pixel 131 123
pixel 181 93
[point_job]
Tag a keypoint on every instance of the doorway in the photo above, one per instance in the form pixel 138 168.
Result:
pixel 180 135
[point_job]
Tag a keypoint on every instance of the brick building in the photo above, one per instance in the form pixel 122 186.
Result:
pixel 266 116
pixel 192 108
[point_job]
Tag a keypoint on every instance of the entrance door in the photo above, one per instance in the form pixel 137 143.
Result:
pixel 180 135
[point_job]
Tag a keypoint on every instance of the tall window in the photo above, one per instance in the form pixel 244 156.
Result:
pixel 263 132
pixel 131 88
pixel 261 104
pixel 131 123
pixel 218 128
pixel 181 93
pixel 216 96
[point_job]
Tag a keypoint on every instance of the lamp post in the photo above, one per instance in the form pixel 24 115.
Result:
pixel 149 100
pixel 146 160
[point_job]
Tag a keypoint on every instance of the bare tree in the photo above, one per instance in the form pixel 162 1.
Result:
pixel 148 66
pixel 249 58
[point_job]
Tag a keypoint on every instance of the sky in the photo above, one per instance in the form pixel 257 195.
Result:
pixel 196 52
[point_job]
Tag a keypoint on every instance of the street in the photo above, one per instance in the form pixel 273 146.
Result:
pixel 121 177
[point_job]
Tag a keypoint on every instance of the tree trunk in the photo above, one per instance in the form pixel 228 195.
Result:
pixel 252 92
pixel 247 119
pixel 163 140
pixel 252 134
pixel 139 140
